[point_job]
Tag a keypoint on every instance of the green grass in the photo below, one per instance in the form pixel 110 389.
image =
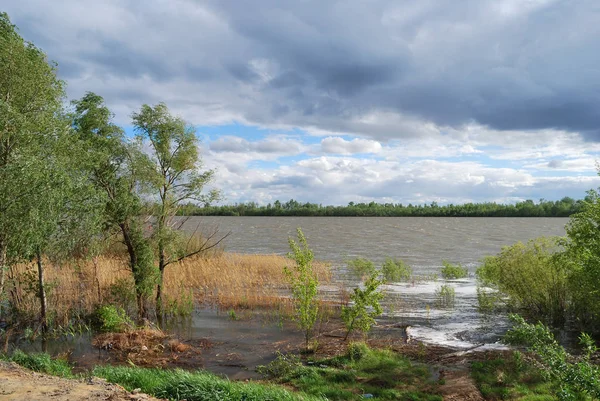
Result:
pixel 41 363
pixel 194 386
pixel 512 379
pixel 382 373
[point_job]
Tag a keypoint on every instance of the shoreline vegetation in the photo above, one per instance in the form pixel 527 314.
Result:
pixel 543 208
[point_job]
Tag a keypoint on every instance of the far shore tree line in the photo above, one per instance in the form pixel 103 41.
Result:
pixel 544 208
pixel 72 183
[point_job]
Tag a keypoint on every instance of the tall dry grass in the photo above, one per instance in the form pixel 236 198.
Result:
pixel 226 280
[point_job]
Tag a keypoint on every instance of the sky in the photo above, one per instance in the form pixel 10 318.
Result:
pixel 330 102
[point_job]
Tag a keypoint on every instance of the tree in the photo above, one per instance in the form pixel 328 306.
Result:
pixel 118 169
pixel 366 307
pixel 30 109
pixel 583 249
pixel 304 282
pixel 177 178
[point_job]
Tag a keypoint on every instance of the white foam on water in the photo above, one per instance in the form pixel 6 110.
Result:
pixel 447 336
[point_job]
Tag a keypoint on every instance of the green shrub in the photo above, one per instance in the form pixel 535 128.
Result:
pixel 365 306
pixel 304 282
pixel 451 272
pixel 532 276
pixel 577 378
pixel 396 270
pixel 42 363
pixel 112 319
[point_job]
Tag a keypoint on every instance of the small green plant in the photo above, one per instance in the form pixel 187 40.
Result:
pixel 445 296
pixel 452 272
pixel 232 315
pixel 304 283
pixel 283 366
pixel 365 307
pixel 395 270
pixel 112 319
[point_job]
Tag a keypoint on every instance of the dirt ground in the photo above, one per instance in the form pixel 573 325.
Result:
pixel 18 384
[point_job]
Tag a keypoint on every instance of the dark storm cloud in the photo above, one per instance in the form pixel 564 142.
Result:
pixel 508 64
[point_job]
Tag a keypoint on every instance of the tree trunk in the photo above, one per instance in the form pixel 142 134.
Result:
pixel 42 295
pixel 133 265
pixel 161 274
pixel 162 260
pixel 3 268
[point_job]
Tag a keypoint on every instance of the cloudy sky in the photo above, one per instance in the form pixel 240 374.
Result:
pixel 352 100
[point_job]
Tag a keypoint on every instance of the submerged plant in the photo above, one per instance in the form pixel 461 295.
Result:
pixel 445 296
pixel 395 270
pixel 452 272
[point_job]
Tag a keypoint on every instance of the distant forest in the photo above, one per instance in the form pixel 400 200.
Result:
pixel 562 208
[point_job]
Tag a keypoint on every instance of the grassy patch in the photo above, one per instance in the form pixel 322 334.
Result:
pixel 382 373
pixel 194 386
pixel 41 363
pixel 512 379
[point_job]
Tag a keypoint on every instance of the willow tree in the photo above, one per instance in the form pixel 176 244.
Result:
pixel 30 109
pixel 178 177
pixel 118 168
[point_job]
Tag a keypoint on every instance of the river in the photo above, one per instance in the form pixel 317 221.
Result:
pixel 421 242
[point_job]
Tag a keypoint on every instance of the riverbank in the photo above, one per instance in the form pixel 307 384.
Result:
pixel 18 384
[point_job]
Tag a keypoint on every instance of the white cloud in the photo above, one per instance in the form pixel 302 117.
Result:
pixel 341 146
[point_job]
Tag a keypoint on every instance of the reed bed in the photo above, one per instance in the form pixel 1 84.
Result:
pixel 225 280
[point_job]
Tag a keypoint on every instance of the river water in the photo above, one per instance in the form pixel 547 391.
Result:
pixel 421 242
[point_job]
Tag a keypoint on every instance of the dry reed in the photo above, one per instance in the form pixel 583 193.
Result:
pixel 227 280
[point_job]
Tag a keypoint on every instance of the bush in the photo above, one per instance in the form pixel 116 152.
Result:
pixel 533 276
pixel 583 252
pixel 578 379
pixel 112 319
pixel 452 272
pixel 395 270
pixel 360 266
